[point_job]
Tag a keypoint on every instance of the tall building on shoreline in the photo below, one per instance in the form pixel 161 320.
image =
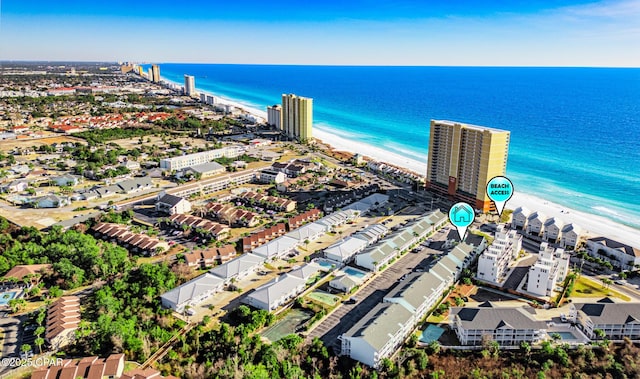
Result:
pixel 274 116
pixel 189 85
pixel 297 117
pixel 462 160
pixel 155 73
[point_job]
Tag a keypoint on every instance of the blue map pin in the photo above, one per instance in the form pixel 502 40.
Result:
pixel 500 190
pixel 461 216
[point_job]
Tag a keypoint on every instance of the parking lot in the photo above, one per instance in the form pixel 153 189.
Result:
pixel 11 337
pixel 347 314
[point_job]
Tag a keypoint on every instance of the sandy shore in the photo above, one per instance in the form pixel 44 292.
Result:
pixel 594 225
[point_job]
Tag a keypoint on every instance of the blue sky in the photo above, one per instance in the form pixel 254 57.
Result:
pixel 359 32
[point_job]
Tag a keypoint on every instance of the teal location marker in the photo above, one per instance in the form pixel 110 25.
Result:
pixel 499 190
pixel 461 216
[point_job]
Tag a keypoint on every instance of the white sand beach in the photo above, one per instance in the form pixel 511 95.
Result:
pixel 592 224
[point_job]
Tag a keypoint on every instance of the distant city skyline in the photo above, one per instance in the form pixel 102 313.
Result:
pixel 358 32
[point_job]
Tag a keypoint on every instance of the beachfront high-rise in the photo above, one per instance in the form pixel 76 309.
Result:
pixel 274 116
pixel 189 85
pixel 297 116
pixel 155 73
pixel 463 158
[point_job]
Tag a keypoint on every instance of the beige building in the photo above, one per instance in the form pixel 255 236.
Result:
pixel 463 158
pixel 297 117
pixel 155 73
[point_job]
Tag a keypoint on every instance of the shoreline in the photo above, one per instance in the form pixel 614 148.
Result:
pixel 593 225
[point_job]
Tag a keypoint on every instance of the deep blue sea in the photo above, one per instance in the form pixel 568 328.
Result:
pixel 575 132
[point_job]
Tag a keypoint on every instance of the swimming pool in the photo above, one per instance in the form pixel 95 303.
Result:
pixel 6 296
pixel 567 335
pixel 353 272
pixel 325 264
pixel 431 333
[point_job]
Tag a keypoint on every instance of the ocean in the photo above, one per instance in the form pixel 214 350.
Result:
pixel 575 136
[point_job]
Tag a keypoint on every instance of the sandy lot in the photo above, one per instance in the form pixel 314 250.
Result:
pixel 55 138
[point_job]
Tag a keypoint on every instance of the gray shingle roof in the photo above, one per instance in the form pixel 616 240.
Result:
pixel 383 321
pixel 607 312
pixel 489 318
pixel 170 200
pixel 617 245
pixel 193 288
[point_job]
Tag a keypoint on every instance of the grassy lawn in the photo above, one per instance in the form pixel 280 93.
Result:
pixel 128 366
pixel 323 297
pixel 437 319
pixel 588 288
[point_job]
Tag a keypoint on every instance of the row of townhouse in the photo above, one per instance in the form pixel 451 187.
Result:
pixel 294 168
pixel 270 202
pixel 135 241
pixel 210 256
pixel 201 288
pixel 375 257
pixel 282 289
pixel 215 184
pixel 232 215
pixel 303 218
pixel 510 326
pixel 216 230
pixel 286 244
pixel 343 251
pixel 261 237
pixel 346 198
pixel 368 203
pixel 381 332
pixel 551 229
pixel 63 318
pixel 189 160
pixel 616 320
pixel 619 254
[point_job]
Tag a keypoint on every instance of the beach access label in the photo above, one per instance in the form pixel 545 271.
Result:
pixel 500 190
pixel 461 215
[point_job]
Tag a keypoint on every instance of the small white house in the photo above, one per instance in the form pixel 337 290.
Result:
pixel 173 204
pixel 571 234
pixel 519 218
pixel 552 229
pixel 535 223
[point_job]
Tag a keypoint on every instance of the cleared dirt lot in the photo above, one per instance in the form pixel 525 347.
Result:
pixel 9 145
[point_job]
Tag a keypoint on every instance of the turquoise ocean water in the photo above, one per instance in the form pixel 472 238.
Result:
pixel 575 132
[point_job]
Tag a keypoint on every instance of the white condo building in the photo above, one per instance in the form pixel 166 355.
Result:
pixel 550 268
pixel 274 116
pixel 189 85
pixel 494 261
pixel 184 161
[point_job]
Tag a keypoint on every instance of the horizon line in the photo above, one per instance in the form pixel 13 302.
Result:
pixel 309 64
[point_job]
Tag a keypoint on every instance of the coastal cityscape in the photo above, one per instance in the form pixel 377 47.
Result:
pixel 229 216
pixel 362 201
